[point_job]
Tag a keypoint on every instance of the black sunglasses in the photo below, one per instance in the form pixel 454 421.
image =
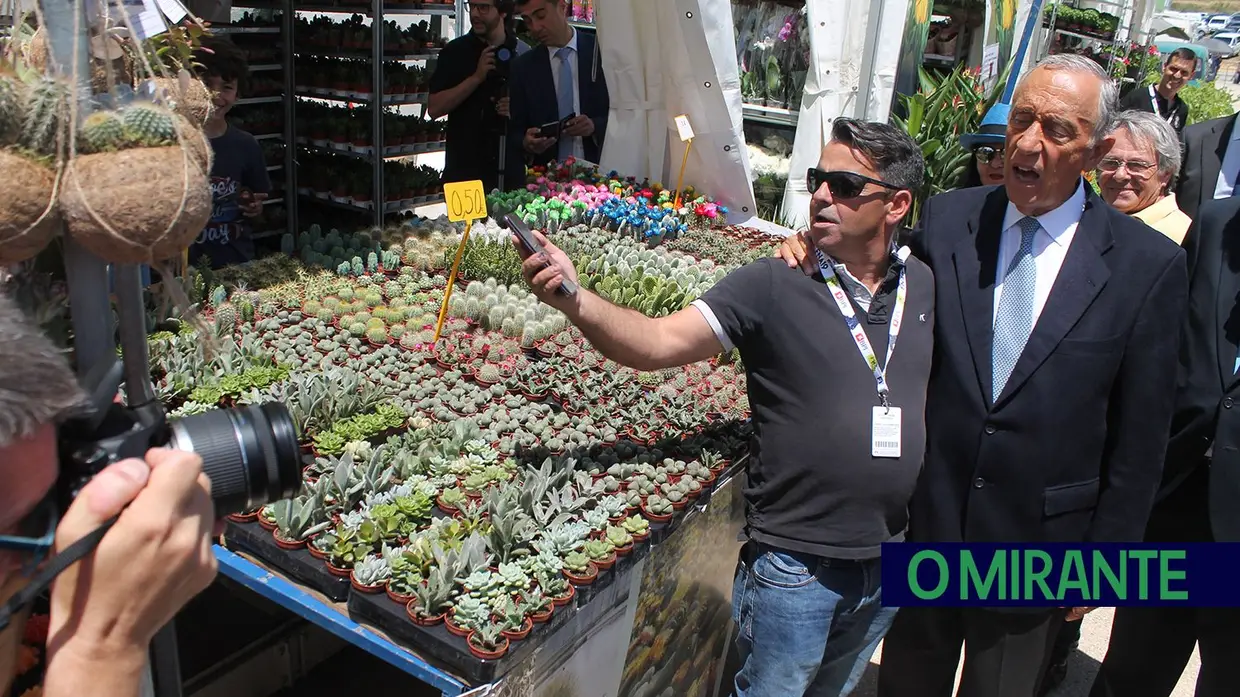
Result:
pixel 843 184
pixel 986 153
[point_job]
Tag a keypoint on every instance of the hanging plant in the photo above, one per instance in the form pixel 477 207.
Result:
pixel 33 111
pixel 136 189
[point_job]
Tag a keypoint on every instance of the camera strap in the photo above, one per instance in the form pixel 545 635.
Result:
pixel 43 578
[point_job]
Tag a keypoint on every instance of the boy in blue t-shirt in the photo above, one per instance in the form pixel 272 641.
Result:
pixel 239 181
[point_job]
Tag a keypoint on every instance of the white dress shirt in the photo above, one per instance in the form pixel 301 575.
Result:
pixel 1050 246
pixel 1227 175
pixel 579 150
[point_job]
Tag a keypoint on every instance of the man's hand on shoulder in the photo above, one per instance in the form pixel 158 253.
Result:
pixel 794 250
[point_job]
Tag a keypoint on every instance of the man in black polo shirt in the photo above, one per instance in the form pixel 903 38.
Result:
pixel 837 409
pixel 1163 97
pixel 470 87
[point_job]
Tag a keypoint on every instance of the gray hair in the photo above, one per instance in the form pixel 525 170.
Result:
pixel 1108 93
pixel 1149 129
pixel 37 387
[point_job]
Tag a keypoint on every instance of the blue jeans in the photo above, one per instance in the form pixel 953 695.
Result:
pixel 806 625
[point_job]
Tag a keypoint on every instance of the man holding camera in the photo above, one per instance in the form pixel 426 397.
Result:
pixel 470 87
pixel 559 96
pixel 106 608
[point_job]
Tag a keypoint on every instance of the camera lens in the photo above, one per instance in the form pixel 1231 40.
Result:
pixel 250 454
pixel 503 54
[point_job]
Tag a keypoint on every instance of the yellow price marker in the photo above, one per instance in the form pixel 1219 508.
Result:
pixel 467 201
pixel 685 130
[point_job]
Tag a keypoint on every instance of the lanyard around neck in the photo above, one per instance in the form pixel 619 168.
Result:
pixel 854 325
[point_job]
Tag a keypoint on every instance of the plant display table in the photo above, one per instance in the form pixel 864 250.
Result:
pixel 495 506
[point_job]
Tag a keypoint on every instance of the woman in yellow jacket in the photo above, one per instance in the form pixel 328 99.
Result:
pixel 1137 173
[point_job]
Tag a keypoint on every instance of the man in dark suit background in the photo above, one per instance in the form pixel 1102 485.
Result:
pixel 1199 500
pixel 1050 403
pixel 562 77
pixel 1211 167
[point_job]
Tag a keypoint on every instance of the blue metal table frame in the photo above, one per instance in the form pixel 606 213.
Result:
pixel 301 602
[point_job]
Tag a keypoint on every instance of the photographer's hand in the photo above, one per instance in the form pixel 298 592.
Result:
pixel 106 608
pixel 502 107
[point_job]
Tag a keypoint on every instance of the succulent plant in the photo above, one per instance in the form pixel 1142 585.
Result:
pixel 578 563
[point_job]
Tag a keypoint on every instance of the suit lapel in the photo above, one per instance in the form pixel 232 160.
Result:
pixel 545 87
pixel 1226 301
pixel 585 62
pixel 1080 279
pixel 975 259
pixel 1212 161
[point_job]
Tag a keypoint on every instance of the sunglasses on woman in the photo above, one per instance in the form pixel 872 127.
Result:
pixel 986 153
pixel 843 184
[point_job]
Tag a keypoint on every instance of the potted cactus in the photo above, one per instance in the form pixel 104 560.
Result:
pixel 579 569
pixel 143 152
pixel 33 112
pixel 658 509
pixel 488 642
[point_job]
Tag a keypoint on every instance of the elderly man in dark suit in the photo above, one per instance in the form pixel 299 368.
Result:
pixel 1200 497
pixel 1050 400
pixel 559 81
pixel 1211 166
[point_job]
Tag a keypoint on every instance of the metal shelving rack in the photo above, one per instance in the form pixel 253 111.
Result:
pixel 285 66
pixel 378 11
pixel 1125 14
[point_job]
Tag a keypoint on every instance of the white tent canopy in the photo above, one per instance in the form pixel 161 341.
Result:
pixel 856 48
pixel 663 58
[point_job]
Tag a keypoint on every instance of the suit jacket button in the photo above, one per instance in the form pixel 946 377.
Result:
pixel 990 430
pixel 979 483
pixel 1227 403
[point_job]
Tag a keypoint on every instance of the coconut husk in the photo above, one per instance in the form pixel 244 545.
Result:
pixel 138 206
pixel 195 141
pixel 36 50
pixel 29 217
pixel 190 99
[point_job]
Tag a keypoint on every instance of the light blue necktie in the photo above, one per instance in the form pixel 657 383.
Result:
pixel 1014 321
pixel 564 95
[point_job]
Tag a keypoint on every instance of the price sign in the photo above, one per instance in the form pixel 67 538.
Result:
pixel 684 128
pixel 466 201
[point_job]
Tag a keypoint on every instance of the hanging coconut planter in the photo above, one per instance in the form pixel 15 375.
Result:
pixel 187 96
pixel 32 114
pixel 137 189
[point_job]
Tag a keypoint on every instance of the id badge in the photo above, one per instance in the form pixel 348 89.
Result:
pixel 885 432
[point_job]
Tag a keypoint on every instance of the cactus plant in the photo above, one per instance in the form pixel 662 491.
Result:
pixel 148 125
pixel 377 335
pixel 12 108
pixel 226 318
pixel 46 113
pixel 102 131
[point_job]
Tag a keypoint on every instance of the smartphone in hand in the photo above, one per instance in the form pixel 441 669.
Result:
pixel 532 246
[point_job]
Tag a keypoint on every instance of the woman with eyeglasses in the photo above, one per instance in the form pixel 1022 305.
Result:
pixel 1137 174
pixel 986 146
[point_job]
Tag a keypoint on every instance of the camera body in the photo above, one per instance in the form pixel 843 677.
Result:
pixel 250 454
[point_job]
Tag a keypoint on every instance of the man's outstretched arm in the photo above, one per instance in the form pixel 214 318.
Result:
pixel 621 334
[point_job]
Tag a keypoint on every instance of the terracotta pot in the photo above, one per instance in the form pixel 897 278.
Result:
pixel 453 627
pixel 679 505
pixel 545 615
pixel 339 571
pixel 411 609
pixel 264 523
pixel 565 599
pixel 607 562
pixel 401 598
pixel 316 553
pixel 450 510
pixel 625 550
pixel 487 655
pixel 583 580
pixel 368 590
pixel 243 517
pixel 639 536
pixel 656 518
pixel 518 634
pixel 285 543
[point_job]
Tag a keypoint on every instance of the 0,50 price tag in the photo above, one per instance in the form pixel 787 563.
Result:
pixel 466 200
